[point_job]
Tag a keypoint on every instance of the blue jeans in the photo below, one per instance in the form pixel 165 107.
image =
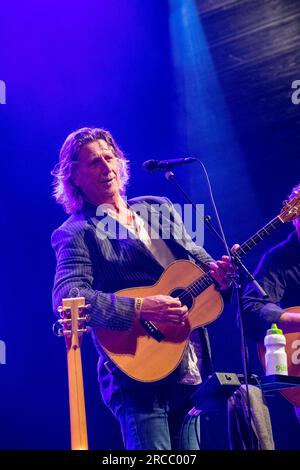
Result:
pixel 153 416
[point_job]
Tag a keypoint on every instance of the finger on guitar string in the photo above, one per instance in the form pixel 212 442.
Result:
pixel 178 310
pixel 159 307
pixel 173 301
pixel 235 247
pixel 176 318
pixel 177 315
pixel 167 300
pixel 225 265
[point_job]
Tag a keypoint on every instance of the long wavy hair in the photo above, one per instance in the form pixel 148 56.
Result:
pixel 65 190
pixel 295 190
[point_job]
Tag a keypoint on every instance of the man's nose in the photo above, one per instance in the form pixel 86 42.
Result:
pixel 105 165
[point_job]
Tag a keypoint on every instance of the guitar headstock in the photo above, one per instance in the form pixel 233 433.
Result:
pixel 291 208
pixel 73 321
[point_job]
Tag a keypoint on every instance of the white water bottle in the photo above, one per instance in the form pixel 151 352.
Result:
pixel 276 358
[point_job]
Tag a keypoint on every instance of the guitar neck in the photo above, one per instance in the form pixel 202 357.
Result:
pixel 259 236
pixel 79 440
pixel 73 330
pixel 205 281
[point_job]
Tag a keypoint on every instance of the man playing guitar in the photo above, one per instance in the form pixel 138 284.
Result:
pixel 279 274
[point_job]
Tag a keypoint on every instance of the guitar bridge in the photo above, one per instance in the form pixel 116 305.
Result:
pixel 152 330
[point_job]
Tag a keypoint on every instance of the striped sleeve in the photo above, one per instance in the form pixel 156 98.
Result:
pixel 74 277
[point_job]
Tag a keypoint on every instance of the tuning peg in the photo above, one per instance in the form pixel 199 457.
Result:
pixel 61 311
pixel 57 330
pixel 62 321
pixel 84 330
pixel 85 318
pixel 85 306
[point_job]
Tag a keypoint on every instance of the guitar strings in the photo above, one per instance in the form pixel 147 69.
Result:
pixel 197 287
pixel 202 283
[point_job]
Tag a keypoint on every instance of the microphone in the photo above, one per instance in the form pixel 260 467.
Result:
pixel 155 165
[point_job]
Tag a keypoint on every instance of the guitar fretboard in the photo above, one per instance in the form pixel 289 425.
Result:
pixel 205 281
pixel 259 236
pixel 198 286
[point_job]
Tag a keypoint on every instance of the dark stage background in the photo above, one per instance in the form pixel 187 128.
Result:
pixel 173 78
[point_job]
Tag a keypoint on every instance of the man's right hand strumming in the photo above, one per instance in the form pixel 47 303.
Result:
pixel 163 308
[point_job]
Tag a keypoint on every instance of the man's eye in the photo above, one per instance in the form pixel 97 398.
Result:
pixel 95 162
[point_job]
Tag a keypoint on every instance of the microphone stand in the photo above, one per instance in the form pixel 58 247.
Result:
pixel 236 281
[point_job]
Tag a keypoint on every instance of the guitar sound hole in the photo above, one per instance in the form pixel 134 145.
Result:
pixel 184 296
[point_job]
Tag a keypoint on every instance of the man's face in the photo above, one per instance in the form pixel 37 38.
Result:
pixel 97 172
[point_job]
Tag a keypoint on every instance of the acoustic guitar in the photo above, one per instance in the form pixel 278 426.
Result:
pixel 150 351
pixel 73 323
pixel 293 359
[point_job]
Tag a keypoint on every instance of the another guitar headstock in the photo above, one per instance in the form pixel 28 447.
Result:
pixel 291 208
pixel 73 321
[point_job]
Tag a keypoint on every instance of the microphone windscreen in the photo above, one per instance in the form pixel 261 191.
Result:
pixel 150 165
